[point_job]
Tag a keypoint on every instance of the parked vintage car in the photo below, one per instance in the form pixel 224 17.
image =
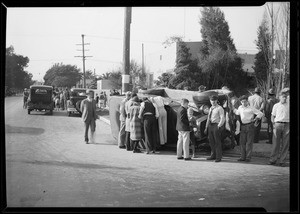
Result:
pixel 76 96
pixel 40 98
pixel 198 101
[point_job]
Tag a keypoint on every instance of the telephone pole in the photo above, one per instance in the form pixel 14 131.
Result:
pixel 142 57
pixel 126 50
pixel 83 58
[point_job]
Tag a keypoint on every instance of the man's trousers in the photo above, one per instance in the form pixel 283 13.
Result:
pixel 281 138
pixel 246 140
pixel 122 134
pixel 89 124
pixel 214 137
pixel 183 143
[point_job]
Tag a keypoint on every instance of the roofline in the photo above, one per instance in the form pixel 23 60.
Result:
pixel 79 88
pixel 41 86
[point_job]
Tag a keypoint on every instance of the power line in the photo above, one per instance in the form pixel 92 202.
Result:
pixel 101 60
pixel 114 38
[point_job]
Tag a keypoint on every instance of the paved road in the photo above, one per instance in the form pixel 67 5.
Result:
pixel 48 165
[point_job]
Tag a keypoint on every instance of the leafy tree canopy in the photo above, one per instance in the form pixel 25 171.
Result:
pixel 218 55
pixel 60 75
pixel 262 58
pixel 164 79
pixel 186 72
pixel 15 74
pixel 115 75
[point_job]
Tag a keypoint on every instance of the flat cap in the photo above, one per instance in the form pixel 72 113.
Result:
pixel 202 87
pixel 244 97
pixel 286 90
pixel 213 97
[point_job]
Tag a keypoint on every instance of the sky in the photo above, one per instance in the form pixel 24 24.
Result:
pixel 54 35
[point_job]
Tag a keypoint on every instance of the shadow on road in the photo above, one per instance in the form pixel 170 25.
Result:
pixel 63 113
pixel 74 165
pixel 23 130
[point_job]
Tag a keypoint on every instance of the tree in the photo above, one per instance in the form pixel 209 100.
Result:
pixel 137 74
pixel 273 34
pixel 280 23
pixel 15 75
pixel 186 72
pixel 60 75
pixel 164 79
pixel 218 56
pixel 263 58
pixel 90 75
pixel 115 76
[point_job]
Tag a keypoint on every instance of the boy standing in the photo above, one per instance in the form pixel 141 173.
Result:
pixel 183 128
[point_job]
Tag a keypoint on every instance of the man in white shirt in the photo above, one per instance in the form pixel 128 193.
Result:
pixel 256 101
pixel 247 114
pixel 281 135
pixel 214 127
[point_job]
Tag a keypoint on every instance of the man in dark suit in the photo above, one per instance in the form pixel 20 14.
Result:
pixel 89 116
pixel 183 128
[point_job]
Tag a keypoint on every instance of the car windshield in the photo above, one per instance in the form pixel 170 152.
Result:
pixel 40 91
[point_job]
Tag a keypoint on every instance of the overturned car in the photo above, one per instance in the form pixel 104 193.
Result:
pixel 199 101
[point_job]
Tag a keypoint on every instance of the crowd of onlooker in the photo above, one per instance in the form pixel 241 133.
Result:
pixel 145 121
pixel 60 97
pixel 140 120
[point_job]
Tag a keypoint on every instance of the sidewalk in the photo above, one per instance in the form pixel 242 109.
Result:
pixel 261 149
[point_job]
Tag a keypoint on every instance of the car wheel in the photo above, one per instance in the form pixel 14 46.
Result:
pixel 28 111
pixel 77 106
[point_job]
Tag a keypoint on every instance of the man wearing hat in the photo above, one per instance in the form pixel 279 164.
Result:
pixel 122 133
pixel 257 102
pixel 287 92
pixel 247 114
pixel 268 110
pixel 214 128
pixel 89 115
pixel 281 137
pixel 201 88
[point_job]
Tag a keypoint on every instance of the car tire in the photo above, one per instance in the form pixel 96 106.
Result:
pixel 77 106
pixel 28 111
